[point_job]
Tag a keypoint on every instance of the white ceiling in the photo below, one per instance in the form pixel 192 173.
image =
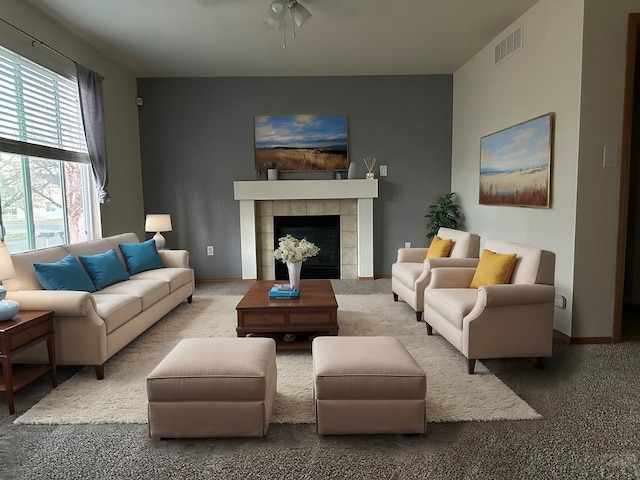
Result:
pixel 166 38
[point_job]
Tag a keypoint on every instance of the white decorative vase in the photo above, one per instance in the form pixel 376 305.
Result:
pixel 294 273
pixel 272 174
pixel 351 173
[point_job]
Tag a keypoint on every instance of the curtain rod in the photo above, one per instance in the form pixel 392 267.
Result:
pixel 36 40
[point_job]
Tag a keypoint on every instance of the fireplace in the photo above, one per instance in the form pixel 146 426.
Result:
pixel 324 231
pixel 260 201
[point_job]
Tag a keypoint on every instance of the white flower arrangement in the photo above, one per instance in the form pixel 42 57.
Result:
pixel 290 249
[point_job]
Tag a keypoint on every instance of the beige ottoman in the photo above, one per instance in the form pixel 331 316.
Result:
pixel 213 387
pixel 367 385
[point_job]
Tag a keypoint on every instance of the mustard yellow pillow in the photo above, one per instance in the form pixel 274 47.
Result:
pixel 493 268
pixel 440 247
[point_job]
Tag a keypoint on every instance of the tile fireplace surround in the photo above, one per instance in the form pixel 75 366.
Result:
pixel 261 200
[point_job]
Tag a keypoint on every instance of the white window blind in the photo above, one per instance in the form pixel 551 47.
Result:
pixel 39 111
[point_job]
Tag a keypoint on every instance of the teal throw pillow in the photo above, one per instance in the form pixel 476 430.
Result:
pixel 104 268
pixel 65 274
pixel 141 257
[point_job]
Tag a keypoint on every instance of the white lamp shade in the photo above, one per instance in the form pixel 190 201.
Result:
pixel 6 265
pixel 300 14
pixel 275 14
pixel 158 223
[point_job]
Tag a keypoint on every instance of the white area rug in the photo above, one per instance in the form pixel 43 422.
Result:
pixel 452 394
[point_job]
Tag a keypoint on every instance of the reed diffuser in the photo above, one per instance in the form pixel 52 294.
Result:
pixel 370 162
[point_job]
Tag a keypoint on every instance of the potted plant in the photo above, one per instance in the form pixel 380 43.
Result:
pixel 272 171
pixel 443 213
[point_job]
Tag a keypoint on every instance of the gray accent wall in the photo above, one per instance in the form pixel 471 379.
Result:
pixel 196 139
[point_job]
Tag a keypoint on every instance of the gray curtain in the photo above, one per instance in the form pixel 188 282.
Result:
pixel 90 87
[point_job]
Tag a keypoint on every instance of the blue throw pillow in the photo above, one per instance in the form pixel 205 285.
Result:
pixel 141 257
pixel 104 268
pixel 65 274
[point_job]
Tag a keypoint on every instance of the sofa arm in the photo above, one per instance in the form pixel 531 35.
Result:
pixel 411 255
pixel 62 302
pixel 175 258
pixel 454 277
pixel 504 295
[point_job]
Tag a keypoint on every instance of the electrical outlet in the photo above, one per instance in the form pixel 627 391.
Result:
pixel 383 170
pixel 560 301
pixel 210 250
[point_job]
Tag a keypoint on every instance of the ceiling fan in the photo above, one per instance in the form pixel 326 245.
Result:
pixel 277 12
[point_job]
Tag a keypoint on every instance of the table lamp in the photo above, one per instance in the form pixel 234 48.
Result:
pixel 8 308
pixel 158 223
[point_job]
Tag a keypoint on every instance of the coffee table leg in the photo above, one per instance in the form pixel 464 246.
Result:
pixel 8 383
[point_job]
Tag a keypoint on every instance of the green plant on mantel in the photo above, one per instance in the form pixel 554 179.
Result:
pixel 443 213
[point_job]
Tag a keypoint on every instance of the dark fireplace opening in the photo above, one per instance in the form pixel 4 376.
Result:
pixel 324 231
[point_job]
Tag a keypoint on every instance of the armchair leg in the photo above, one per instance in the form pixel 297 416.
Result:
pixel 395 296
pixel 418 316
pixel 429 329
pixel 99 371
pixel 471 365
pixel 541 362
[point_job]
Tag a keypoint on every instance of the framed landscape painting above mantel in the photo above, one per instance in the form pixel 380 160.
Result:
pixel 296 143
pixel 515 164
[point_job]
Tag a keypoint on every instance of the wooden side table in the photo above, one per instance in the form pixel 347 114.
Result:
pixel 23 331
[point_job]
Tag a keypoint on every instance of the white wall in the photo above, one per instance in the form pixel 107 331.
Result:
pixel 544 76
pixel 125 211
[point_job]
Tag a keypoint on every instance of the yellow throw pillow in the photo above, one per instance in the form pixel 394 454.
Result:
pixel 440 247
pixel 493 268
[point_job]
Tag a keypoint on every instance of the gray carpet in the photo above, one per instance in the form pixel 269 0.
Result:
pixel 588 396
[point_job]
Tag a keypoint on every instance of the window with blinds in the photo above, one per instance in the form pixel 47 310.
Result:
pixel 47 194
pixel 39 111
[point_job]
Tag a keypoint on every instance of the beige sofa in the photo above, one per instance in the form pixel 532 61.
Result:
pixel 411 273
pixel 91 327
pixel 496 321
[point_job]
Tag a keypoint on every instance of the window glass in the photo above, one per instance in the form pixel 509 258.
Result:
pixel 47 194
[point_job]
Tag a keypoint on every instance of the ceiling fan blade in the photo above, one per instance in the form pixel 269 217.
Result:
pixel 335 8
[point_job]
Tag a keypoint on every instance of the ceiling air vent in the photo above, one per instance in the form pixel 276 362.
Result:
pixel 509 45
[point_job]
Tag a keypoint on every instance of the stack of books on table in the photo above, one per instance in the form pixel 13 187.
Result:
pixel 284 291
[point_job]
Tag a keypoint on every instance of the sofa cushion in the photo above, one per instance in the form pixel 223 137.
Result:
pixel 104 268
pixel 26 278
pixel 141 257
pixel 148 291
pixel 493 268
pixel 440 247
pixel 116 309
pixel 175 277
pixel 407 273
pixel 65 274
pixel 453 304
pixel 533 265
pixel 465 244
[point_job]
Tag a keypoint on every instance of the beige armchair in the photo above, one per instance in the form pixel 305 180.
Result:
pixel 411 273
pixel 496 321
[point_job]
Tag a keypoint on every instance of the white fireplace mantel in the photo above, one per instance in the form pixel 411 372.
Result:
pixel 248 192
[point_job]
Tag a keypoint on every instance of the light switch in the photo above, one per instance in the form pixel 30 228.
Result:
pixel 610 156
pixel 383 170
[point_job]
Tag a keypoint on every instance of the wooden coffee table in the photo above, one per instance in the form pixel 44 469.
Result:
pixel 314 313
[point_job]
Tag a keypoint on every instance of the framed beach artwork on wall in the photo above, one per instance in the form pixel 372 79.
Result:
pixel 297 143
pixel 515 164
